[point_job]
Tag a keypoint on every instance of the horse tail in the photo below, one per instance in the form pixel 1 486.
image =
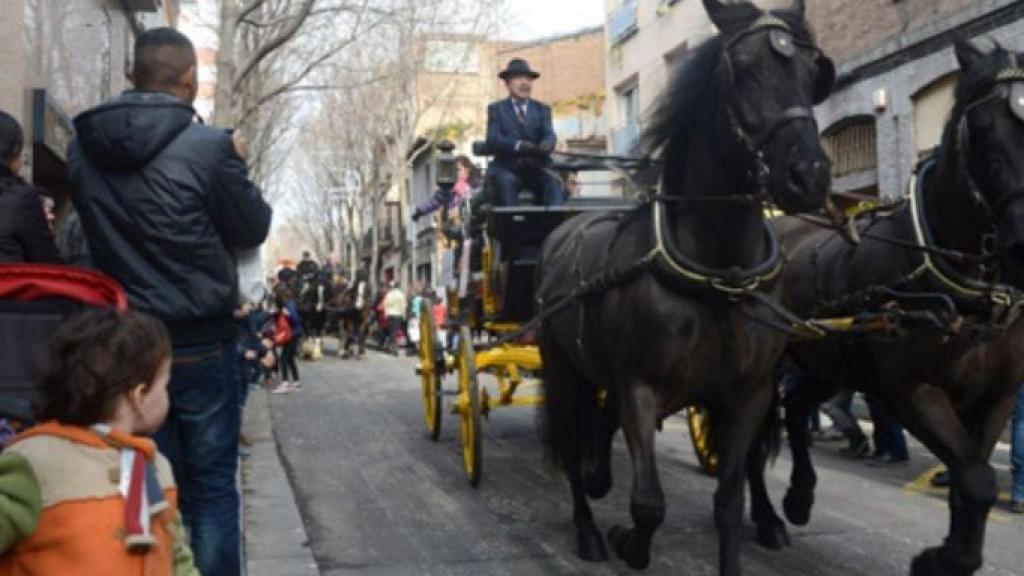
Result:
pixel 570 410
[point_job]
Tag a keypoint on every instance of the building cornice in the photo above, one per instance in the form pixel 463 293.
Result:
pixel 982 17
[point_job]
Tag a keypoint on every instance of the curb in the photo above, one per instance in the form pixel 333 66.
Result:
pixel 275 537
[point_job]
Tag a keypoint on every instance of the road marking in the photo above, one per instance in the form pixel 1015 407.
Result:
pixel 922 485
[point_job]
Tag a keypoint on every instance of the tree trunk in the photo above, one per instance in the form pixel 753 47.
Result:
pixel 223 105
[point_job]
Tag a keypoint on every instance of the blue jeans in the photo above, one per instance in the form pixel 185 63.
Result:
pixel 200 438
pixel 888 435
pixel 1017 448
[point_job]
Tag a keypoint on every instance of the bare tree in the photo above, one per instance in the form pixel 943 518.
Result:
pixel 369 122
pixel 268 55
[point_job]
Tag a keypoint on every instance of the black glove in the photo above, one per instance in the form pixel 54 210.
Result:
pixel 527 148
pixel 547 147
pixel 416 214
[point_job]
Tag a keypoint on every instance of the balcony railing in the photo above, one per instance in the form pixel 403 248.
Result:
pixel 622 22
pixel 625 140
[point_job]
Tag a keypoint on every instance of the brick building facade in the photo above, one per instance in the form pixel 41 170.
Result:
pixel 897 73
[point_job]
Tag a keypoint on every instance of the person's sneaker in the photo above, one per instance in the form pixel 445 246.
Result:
pixel 887 460
pixel 941 479
pixel 856 450
pixel 1017 506
pixel 296 386
pixel 282 388
pixel 830 435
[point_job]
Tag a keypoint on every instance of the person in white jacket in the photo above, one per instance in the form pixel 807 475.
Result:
pixel 395 305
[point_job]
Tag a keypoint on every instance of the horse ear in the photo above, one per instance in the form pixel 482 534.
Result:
pixel 799 8
pixel 967 54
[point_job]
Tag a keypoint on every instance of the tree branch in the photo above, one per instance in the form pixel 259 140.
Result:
pixel 273 44
pixel 248 9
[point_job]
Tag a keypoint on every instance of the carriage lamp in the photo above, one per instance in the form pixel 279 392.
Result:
pixel 446 169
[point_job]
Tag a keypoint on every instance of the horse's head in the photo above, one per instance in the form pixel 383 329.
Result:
pixel 988 128
pixel 772 74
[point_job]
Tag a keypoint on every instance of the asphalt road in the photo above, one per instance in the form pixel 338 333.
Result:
pixel 379 498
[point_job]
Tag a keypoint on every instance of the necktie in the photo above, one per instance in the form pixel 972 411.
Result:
pixel 521 111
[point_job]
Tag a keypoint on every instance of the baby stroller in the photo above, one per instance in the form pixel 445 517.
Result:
pixel 34 300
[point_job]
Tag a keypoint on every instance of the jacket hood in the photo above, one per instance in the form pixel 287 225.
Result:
pixel 132 129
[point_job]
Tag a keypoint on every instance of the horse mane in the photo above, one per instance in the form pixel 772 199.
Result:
pixel 685 111
pixel 972 85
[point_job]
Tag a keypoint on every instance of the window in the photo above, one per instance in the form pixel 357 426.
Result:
pixel 629 104
pixel 626 137
pixel 932 107
pixel 852 147
pixel 622 22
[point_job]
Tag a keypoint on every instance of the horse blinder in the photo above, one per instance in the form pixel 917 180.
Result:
pixel 1017 100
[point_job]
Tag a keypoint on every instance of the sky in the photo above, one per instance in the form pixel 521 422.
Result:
pixel 532 19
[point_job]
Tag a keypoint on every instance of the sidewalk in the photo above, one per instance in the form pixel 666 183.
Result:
pixel 275 538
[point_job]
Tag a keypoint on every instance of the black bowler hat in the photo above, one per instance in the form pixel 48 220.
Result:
pixel 517 67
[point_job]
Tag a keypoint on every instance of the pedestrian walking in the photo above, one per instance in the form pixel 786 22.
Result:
pixel 25 234
pixel 395 305
pixel 890 441
pixel 63 511
pixel 1017 455
pixel 165 202
pixel 840 410
pixel 288 334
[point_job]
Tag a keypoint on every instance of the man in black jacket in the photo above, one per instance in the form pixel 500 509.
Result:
pixel 521 136
pixel 165 202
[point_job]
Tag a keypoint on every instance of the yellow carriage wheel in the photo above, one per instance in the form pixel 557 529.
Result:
pixel 469 407
pixel 431 372
pixel 699 420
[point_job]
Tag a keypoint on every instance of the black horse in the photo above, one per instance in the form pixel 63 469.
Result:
pixel 954 253
pixel 666 306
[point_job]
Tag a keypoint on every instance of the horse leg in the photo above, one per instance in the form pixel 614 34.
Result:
pixel 599 480
pixel 929 414
pixel 799 499
pixel 739 426
pixel 647 501
pixel 771 530
pixel 589 542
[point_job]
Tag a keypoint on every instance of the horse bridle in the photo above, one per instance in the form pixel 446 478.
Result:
pixel 1009 85
pixel 783 43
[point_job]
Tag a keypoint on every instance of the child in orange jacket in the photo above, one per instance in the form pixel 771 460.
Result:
pixel 86 491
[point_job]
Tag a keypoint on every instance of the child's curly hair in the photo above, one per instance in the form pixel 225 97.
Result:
pixel 96 356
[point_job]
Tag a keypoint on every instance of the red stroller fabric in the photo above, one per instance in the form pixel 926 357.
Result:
pixel 34 300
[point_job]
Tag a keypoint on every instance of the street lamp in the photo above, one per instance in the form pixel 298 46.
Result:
pixel 446 167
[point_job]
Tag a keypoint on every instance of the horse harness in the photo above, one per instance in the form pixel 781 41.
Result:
pixel 1009 86
pixel 996 306
pixel 783 43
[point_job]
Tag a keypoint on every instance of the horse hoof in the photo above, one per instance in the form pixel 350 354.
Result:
pixel 797 506
pixel 773 536
pixel 625 548
pixel 924 564
pixel 590 545
pixel 597 485
pixel 936 562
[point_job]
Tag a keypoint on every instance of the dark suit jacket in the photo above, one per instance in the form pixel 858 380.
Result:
pixel 504 129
